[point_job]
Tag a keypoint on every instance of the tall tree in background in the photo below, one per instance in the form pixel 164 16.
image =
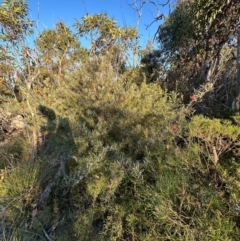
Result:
pixel 238 68
pixel 15 26
pixel 196 40
pixel 107 38
pixel 58 50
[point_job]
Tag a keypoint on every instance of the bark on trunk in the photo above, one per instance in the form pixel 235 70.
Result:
pixel 238 69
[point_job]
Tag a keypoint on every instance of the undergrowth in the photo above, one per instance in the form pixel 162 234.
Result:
pixel 117 160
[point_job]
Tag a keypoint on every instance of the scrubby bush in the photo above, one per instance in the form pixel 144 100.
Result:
pixel 106 154
pixel 120 161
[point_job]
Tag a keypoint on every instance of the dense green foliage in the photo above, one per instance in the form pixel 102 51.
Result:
pixel 198 40
pixel 107 151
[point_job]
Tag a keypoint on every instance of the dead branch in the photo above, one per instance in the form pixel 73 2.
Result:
pixel 138 6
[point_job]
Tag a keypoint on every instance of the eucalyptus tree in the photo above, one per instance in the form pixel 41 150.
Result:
pixel 107 38
pixel 59 49
pixel 194 41
pixel 15 27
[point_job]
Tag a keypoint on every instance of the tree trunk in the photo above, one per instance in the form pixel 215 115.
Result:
pixel 238 69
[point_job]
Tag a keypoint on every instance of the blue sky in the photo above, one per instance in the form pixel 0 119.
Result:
pixel 49 12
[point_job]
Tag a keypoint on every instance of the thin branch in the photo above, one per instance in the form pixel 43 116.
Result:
pixel 138 5
pixel 160 17
pixel 135 7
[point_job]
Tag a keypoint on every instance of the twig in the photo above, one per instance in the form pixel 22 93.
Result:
pixel 46 235
pixel 45 232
